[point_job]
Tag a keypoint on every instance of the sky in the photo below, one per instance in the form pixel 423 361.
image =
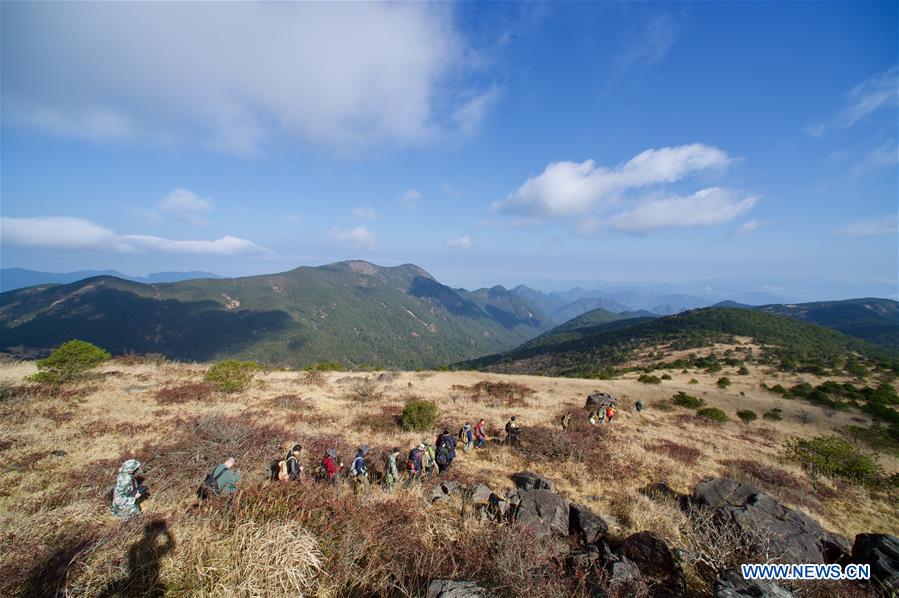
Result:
pixel 494 143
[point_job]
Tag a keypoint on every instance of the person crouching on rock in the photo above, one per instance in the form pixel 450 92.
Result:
pixel 128 493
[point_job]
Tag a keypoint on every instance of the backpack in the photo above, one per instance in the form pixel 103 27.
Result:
pixel 442 455
pixel 210 485
pixel 508 427
pixel 353 471
pixel 282 470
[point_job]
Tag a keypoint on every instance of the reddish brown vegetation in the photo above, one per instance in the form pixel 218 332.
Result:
pixel 184 393
pixel 679 452
pixel 498 394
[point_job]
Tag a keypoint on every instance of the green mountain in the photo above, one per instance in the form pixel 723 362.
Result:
pixel 587 350
pixel 353 312
pixel 875 320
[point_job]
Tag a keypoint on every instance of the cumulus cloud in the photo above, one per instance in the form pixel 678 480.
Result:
pixel 885 225
pixel 61 232
pixel 409 198
pixel 460 243
pixel 704 208
pixel 571 188
pixel 185 204
pixel 879 92
pixel 232 75
pixel 359 237
pixel 365 213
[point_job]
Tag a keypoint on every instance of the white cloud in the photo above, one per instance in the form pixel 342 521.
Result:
pixel 704 208
pixel 185 204
pixel 230 76
pixel 749 227
pixel 460 243
pixel 885 225
pixel 880 91
pixel 359 237
pixel 409 198
pixel 365 213
pixel 571 188
pixel 61 232
pixel 886 154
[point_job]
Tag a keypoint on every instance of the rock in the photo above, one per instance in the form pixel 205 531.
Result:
pixel 624 579
pixel 881 551
pixel 583 522
pixel 662 491
pixel 542 511
pixel 385 377
pixel 443 490
pixel 732 585
pixel 792 535
pixel 658 564
pixel 58 453
pixel 583 558
pixel 597 399
pixel 449 588
pixel 526 480
pixel 479 494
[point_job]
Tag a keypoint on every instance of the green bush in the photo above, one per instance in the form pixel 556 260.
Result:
pixel 723 382
pixel 67 361
pixel 649 379
pixel 419 415
pixel 747 415
pixel 835 457
pixel 326 366
pixel 682 399
pixel 231 375
pixel 693 381
pixel 743 371
pixel 773 414
pixel 666 376
pixel 712 413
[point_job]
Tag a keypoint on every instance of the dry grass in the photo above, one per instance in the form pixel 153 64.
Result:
pixel 53 510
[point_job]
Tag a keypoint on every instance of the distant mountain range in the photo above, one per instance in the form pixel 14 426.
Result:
pixel 19 278
pixel 592 342
pixel 353 312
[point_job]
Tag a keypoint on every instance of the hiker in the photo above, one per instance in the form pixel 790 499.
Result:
pixel 479 434
pixel 566 421
pixel 446 451
pixel 221 481
pixel 127 493
pixel 467 435
pixel 601 413
pixel 331 467
pixel 414 464
pixel 428 460
pixel 512 431
pixel 290 469
pixel 359 470
pixel 610 413
pixel 391 475
pixel 639 405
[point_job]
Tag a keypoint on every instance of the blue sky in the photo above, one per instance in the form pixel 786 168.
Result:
pixel 488 143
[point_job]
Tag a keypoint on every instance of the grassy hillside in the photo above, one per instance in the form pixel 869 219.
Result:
pixel 587 351
pixel 353 312
pixel 875 320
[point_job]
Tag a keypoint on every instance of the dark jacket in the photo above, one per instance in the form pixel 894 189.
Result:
pixel 293 467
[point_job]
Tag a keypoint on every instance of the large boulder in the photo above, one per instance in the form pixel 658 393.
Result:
pixel 479 494
pixel 658 564
pixel 449 588
pixel 596 399
pixel 585 524
pixel 543 512
pixel 732 585
pixel 624 579
pixel 444 490
pixel 792 536
pixel 881 551
pixel 526 480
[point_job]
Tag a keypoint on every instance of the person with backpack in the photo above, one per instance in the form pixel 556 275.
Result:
pixel 479 434
pixel 566 421
pixel 127 493
pixel 512 432
pixel 447 442
pixel 290 469
pixel 466 435
pixel 223 479
pixel 414 464
pixel 428 460
pixel 610 413
pixel 639 405
pixel 331 466
pixel 359 471
pixel 391 474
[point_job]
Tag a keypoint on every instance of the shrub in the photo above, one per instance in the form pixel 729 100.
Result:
pixel 687 455
pixel 723 382
pixel 693 381
pixel 682 399
pixel 747 415
pixel 779 389
pixel 836 457
pixel 649 379
pixel 666 376
pixel 67 361
pixel 419 415
pixel 743 371
pixel 773 414
pixel 325 366
pixel 314 378
pixel 712 413
pixel 506 394
pixel 192 391
pixel 231 375
pixel 365 391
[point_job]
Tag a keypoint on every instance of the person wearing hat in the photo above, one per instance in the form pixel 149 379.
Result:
pixel 359 470
pixel 127 492
pixel 391 473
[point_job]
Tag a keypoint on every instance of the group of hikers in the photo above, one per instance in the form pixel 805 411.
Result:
pixel 423 461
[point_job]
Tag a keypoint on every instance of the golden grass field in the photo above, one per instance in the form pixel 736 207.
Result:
pixel 54 507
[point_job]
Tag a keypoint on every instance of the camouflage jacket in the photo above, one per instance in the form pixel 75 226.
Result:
pixel 124 496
